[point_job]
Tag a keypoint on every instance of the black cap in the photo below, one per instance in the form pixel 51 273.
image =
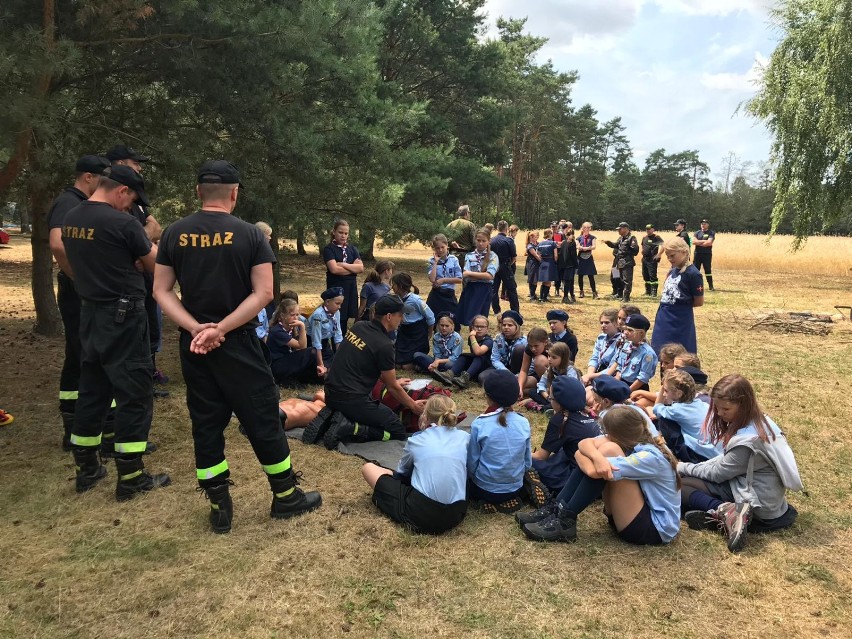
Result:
pixel 637 321
pixel 698 376
pixel 388 304
pixel 501 387
pixel 514 316
pixel 557 314
pixel 443 314
pixel 623 225
pixel 680 221
pixel 554 223
pixel 569 392
pixel 218 172
pixel 123 152
pixel 331 293
pixel 129 178
pixel 610 388
pixel 91 164
pixel 705 221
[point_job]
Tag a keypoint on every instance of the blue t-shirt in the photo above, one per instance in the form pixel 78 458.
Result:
pixel 658 483
pixel 690 417
pixel 436 461
pixel 372 292
pixel 498 456
pixel 546 249
pixel 682 287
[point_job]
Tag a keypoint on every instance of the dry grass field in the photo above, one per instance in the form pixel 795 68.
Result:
pixel 85 566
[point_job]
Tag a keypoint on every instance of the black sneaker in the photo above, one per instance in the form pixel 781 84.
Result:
pixel 341 429
pixel 445 377
pixel 318 425
pixel 703 520
pixel 540 514
pixel 537 492
pixel 160 394
pixel 557 527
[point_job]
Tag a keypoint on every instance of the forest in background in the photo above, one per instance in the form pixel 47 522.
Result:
pixel 388 112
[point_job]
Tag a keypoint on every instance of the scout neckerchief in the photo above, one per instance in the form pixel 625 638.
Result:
pixel 444 342
pixel 333 321
pixel 585 240
pixel 342 250
pixel 477 260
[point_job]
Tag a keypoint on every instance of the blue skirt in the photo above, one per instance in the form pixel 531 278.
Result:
pixel 442 300
pixel 547 271
pixel 411 338
pixel 675 323
pixel 475 300
pixel 586 266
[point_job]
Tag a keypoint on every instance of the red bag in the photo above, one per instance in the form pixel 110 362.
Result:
pixel 410 420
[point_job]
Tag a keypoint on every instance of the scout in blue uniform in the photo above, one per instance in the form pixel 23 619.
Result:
pixel 507 353
pixel 418 320
pixel 557 319
pixel 547 270
pixel 636 362
pixel 343 263
pixel 325 328
pixel 480 267
pixel 605 346
pixel 533 262
pixel 444 273
pixel 469 365
pixel 446 349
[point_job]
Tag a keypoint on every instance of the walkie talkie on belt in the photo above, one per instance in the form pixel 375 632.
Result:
pixel 121 310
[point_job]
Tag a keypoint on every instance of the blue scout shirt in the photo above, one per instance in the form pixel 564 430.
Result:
pixel 658 484
pixel 603 351
pixel 498 456
pixel 448 267
pixel 436 461
pixel 324 326
pixel 501 352
pixel 449 347
pixel 690 417
pixel 636 362
pixel 415 309
pixel 473 262
pixel 544 382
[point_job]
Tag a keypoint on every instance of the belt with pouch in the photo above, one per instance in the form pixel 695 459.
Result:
pixel 132 304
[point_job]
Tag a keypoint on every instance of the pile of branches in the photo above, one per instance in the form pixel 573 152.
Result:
pixel 804 323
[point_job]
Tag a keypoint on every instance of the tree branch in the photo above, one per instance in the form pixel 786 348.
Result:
pixel 180 37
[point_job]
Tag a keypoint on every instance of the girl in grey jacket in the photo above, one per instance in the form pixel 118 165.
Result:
pixel 745 487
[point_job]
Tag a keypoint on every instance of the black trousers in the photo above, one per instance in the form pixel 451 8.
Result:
pixel 154 318
pixel 506 277
pixel 705 260
pixel 69 310
pixel 649 272
pixel 233 378
pixel 115 363
pixel 626 281
pixel 368 413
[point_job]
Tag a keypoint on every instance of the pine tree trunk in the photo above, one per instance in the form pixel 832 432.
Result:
pixel 367 239
pixel 300 240
pixel 48 321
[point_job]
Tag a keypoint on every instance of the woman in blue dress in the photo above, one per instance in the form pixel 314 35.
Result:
pixel 480 267
pixel 444 272
pixel 343 263
pixel 683 290
pixel 586 244
pixel 547 270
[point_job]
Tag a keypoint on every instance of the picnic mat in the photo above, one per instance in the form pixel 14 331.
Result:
pixel 386 454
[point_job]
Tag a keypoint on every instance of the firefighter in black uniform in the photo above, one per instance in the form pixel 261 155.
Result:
pixel 224 268
pixel 122 155
pixel 625 250
pixel 651 245
pixel 365 356
pixel 102 244
pixel 88 170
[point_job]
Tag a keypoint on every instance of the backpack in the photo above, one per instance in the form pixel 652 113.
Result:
pixel 409 420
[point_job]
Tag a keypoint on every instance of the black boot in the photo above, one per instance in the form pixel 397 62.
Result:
pixel 710 282
pixel 561 526
pixel 89 469
pixel 343 429
pixel 462 380
pixel 315 430
pixel 654 291
pixel 287 499
pixel 221 506
pixel 647 290
pixel 133 479
pixel 67 427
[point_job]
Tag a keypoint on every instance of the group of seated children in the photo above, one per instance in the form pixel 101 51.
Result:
pixel 598 445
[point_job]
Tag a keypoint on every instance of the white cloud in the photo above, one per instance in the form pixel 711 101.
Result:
pixel 713 7
pixel 741 82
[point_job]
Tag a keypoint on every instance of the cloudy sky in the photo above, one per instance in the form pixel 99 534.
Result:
pixel 674 70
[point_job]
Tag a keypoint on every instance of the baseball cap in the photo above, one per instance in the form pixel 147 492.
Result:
pixel 124 152
pixel 129 178
pixel 91 164
pixel 388 304
pixel 623 225
pixel 218 172
pixel 648 227
pixel 705 221
pixel 680 221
